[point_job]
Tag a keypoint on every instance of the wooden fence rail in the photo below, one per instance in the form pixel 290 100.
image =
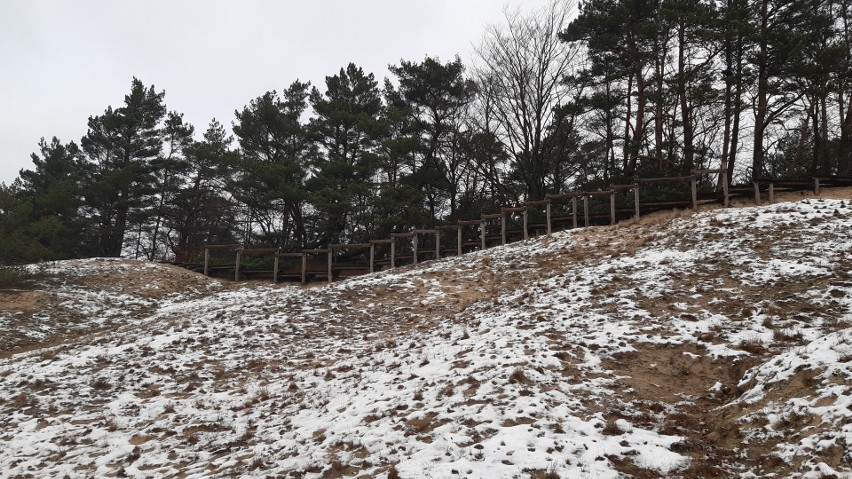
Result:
pixel 305 273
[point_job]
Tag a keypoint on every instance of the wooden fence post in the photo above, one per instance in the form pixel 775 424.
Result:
pixel 330 268
pixel 756 193
pixel 393 252
pixel 482 234
pixel 726 202
pixel 586 209
pixel 816 186
pixel 526 222
pixel 372 257
pixel 612 208
pixel 437 244
pixel 237 266
pixel 549 225
pixel 414 242
pixel 206 260
pixel 304 268
pixel 636 200
pixel 771 193
pixel 693 184
pixel 275 271
pixel 502 227
pixel 574 211
pixel 459 240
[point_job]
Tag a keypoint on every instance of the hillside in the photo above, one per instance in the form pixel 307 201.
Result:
pixel 715 344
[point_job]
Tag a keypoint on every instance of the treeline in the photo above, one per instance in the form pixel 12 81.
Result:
pixel 558 100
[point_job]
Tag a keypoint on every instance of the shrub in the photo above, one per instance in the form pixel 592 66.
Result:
pixel 12 275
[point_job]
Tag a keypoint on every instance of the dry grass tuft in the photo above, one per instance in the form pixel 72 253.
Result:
pixel 393 473
pixel 753 345
pixel 783 335
pixel 611 429
pixel 518 377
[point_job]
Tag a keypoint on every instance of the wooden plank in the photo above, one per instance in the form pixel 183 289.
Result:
pixel 708 172
pixel 372 258
pixel 288 255
pixel 350 246
pixel 381 241
pixel 586 209
pixel 597 193
pixel 623 187
pixel 424 232
pixel 514 209
pixel 816 185
pixel 771 193
pixel 330 272
pixel 667 204
pixel 824 178
pixel 222 246
pixel 393 252
pixel 482 234
pixel 756 193
pixel 402 235
pixel 666 179
pixel 259 250
pixel 459 241
pixel 562 196
pixel 492 216
pixel 503 229
pixel 526 225
pixel 437 244
pixel 469 222
pixel 447 227
pixel 315 251
pixel 536 202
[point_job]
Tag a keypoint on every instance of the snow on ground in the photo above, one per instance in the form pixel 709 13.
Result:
pixel 79 296
pixel 714 344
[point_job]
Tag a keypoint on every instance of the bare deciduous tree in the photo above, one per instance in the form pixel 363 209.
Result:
pixel 524 62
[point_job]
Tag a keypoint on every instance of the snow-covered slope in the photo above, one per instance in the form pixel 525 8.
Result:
pixel 706 345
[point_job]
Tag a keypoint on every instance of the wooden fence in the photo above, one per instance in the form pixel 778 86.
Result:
pixel 415 246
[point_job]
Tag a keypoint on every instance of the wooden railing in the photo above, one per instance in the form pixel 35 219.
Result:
pixel 307 270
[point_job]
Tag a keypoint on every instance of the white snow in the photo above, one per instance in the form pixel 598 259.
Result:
pixel 492 365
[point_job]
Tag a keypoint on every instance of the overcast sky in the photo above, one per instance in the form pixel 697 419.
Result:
pixel 62 61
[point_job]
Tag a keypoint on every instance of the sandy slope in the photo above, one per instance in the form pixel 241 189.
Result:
pixel 707 345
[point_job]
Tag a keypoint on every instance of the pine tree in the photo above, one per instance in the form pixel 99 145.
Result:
pixel 347 129
pixel 53 188
pixel 438 94
pixel 169 171
pixel 121 144
pixel 199 211
pixel 268 176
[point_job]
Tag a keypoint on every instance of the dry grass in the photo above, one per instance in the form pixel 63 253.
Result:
pixel 518 377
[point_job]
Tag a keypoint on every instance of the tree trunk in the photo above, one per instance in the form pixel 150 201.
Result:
pixel 626 161
pixel 688 134
pixel 639 130
pixel 659 116
pixel 844 156
pixel 762 93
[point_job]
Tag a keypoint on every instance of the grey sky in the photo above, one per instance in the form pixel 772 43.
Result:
pixel 62 61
